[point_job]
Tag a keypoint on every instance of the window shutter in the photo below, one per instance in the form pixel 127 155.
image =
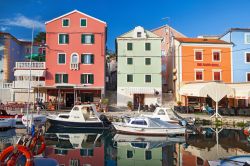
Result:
pixel 57 78
pixel 82 79
pixel 92 59
pixel 82 58
pixel 92 39
pixel 65 78
pixel 60 38
pixel 147 46
pixel 129 46
pixel 83 38
pixel 91 79
pixel 67 39
pixel 83 22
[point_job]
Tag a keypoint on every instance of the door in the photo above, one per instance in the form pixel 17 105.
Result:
pixel 138 99
pixel 87 97
pixel 69 100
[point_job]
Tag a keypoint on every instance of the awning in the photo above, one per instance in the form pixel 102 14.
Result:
pixel 37 73
pixel 140 90
pixel 192 89
pixel 241 91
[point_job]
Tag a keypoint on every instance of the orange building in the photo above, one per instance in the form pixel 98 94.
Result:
pixel 201 60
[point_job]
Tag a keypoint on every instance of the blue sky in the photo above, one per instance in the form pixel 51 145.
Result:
pixel 191 17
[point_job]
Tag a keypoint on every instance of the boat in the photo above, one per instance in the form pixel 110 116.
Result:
pixel 148 126
pixel 7 123
pixel 36 119
pixel 241 160
pixel 5 115
pixel 81 116
pixel 168 115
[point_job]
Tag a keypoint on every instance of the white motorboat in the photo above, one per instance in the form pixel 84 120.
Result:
pixel 166 114
pixel 148 126
pixel 81 116
pixel 36 119
pixel 241 160
pixel 7 123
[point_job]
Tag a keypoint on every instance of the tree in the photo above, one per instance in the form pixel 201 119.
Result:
pixel 40 37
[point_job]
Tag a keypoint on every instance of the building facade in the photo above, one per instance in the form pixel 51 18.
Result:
pixel 240 38
pixel 139 78
pixel 168 34
pixel 75 58
pixel 200 60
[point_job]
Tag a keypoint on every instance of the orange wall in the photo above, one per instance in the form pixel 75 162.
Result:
pixel 189 65
pixel 75 46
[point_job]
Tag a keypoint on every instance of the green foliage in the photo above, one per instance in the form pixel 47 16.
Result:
pixel 179 103
pixel 105 101
pixel 40 37
pixel 130 104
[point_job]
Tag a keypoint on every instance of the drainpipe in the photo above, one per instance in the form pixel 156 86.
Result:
pixel 178 71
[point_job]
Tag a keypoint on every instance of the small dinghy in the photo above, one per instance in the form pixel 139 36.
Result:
pixel 81 116
pixel 7 123
pixel 148 126
pixel 5 115
pixel 242 160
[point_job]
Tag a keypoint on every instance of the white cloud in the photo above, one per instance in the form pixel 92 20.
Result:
pixel 3 28
pixel 23 21
pixel 1 48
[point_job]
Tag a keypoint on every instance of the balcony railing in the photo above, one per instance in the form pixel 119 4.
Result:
pixel 25 84
pixel 74 66
pixel 6 85
pixel 30 65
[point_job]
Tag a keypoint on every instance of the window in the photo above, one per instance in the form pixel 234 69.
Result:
pixel 199 75
pixel 88 38
pixel 147 61
pixel 248 77
pixel 147 46
pixel 161 112
pixel 247 38
pixel 129 46
pixel 147 78
pixel 138 34
pixel 83 22
pixel 217 75
pixel 129 154
pixel 198 55
pixel 148 155
pixel 139 122
pixel 61 58
pixel 87 78
pixel 65 22
pixel 247 54
pixel 130 61
pixel 86 152
pixel 129 78
pixel 61 78
pixel 87 59
pixel 63 39
pixel 216 55
pixel 74 58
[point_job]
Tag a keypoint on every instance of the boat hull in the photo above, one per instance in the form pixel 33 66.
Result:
pixel 78 125
pixel 7 123
pixel 37 119
pixel 148 131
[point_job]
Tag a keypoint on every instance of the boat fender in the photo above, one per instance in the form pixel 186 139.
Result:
pixel 246 132
pixel 20 149
pixel 183 122
pixel 34 142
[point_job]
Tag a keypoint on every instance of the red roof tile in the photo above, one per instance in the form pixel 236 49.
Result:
pixel 201 40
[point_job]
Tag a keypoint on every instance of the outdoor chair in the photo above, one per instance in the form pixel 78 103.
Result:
pixel 190 109
pixel 241 112
pixel 209 110
pixel 232 111
pixel 226 112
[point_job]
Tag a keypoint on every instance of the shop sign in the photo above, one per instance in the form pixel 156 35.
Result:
pixel 208 64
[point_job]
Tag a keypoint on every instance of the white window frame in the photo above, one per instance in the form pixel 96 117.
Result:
pixel 59 38
pixel 198 50
pixel 198 70
pixel 87 63
pixel 72 56
pixel 246 76
pixel 145 78
pixel 61 76
pixel 245 38
pixel 63 20
pixel 213 60
pixel 217 70
pixel 88 78
pixel 81 22
pixel 58 58
pixel 246 57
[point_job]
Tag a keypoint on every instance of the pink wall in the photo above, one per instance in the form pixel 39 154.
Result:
pixel 75 46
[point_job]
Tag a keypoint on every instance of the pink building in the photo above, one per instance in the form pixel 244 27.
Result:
pixel 75 58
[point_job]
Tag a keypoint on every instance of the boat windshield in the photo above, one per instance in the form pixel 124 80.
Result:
pixel 161 112
pixel 139 122
pixel 76 109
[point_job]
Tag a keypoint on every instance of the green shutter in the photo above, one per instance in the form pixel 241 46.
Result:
pixel 65 78
pixel 82 78
pixel 83 38
pixel 65 22
pixel 148 61
pixel 83 22
pixel 91 79
pixel 129 46
pixel 129 61
pixel 92 59
pixel 60 38
pixel 82 58
pixel 92 39
pixel 67 38
pixel 147 46
pixel 61 58
pixel 148 78
pixel 57 78
pixel 129 78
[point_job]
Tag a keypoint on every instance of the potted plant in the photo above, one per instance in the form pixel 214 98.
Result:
pixel 179 103
pixel 104 103
pixel 130 105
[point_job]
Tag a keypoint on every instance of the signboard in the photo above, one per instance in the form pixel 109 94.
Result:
pixel 208 64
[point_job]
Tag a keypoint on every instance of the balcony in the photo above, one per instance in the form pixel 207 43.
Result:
pixel 25 84
pixel 6 86
pixel 74 66
pixel 30 65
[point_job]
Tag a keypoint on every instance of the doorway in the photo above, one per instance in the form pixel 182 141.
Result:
pixel 69 100
pixel 138 99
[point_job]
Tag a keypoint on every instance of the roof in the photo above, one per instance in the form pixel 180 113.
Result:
pixel 23 42
pixel 130 33
pixel 235 29
pixel 163 26
pixel 74 12
pixel 201 40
